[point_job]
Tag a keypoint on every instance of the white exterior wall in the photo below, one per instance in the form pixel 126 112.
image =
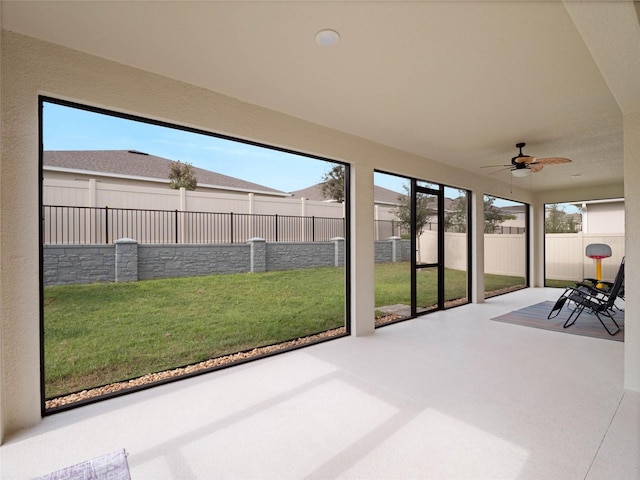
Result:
pixel 604 218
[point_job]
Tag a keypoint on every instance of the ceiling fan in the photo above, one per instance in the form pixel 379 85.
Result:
pixel 522 165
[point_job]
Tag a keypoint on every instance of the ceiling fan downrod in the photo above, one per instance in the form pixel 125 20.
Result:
pixel 514 161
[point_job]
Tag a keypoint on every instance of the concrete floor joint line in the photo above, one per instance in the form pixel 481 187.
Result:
pixel 604 436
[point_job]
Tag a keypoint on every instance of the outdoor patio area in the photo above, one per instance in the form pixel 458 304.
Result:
pixel 448 395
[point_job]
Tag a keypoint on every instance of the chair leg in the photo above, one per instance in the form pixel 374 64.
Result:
pixel 577 311
pixel 612 333
pixel 557 307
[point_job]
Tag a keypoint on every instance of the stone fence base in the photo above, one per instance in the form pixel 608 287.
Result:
pixel 130 261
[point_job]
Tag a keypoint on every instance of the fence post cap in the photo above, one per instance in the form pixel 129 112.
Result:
pixel 395 237
pixel 256 239
pixel 337 239
pixel 126 240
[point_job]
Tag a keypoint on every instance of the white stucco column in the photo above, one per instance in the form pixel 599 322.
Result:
pixel 535 230
pixel 19 244
pixel 477 246
pixel 2 423
pixel 632 251
pixel 362 251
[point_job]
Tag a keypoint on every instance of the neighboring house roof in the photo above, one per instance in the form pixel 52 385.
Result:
pixel 381 194
pixel 139 165
pixel 514 209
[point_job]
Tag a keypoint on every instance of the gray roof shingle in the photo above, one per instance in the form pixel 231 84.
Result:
pixel 138 164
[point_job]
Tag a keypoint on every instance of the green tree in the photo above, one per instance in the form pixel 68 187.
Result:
pixel 456 220
pixel 493 216
pixel 333 184
pixel 558 221
pixel 425 210
pixel 182 175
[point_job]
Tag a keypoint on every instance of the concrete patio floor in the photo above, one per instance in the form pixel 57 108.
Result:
pixel 449 395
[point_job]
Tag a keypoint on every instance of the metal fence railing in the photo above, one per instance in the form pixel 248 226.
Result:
pixel 390 228
pixel 67 225
pixel 91 225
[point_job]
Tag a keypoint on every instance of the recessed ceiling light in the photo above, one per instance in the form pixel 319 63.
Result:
pixel 327 38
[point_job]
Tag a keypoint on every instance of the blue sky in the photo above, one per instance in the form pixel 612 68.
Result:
pixel 68 128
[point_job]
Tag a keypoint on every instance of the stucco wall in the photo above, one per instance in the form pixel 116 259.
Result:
pixel 604 218
pixel 31 67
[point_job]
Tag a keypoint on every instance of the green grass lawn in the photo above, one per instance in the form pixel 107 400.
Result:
pixel 103 333
pixel 393 283
pixel 559 283
pixel 108 332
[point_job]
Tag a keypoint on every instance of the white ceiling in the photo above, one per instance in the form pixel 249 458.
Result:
pixel 456 82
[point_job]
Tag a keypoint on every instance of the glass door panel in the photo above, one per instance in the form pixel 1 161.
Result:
pixel 456 254
pixel 506 246
pixel 426 289
pixel 392 246
pixel 421 247
pixel 428 230
pixel 426 227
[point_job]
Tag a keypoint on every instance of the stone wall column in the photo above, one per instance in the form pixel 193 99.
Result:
pixel 396 249
pixel 339 249
pixel 126 260
pixel 258 255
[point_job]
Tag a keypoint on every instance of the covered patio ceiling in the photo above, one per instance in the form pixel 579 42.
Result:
pixel 456 82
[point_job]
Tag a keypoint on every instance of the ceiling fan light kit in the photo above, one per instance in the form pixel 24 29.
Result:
pixel 521 172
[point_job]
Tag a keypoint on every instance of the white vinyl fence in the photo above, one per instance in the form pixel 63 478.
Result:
pixel 504 254
pixel 565 255
pixel 90 193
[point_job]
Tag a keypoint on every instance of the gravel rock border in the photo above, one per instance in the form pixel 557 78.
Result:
pixel 188 370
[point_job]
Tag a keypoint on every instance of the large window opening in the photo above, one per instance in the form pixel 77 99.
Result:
pixel 570 227
pixel 506 245
pixel 422 247
pixel 169 251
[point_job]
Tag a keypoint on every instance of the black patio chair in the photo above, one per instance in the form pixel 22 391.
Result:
pixel 598 299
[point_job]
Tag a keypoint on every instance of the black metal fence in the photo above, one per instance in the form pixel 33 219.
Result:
pixel 390 228
pixel 91 225
pixel 66 225
pixel 506 230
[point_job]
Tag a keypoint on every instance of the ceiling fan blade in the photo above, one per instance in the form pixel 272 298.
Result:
pixel 525 159
pixel 552 161
pixel 506 167
pixel 536 167
pixel 493 166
